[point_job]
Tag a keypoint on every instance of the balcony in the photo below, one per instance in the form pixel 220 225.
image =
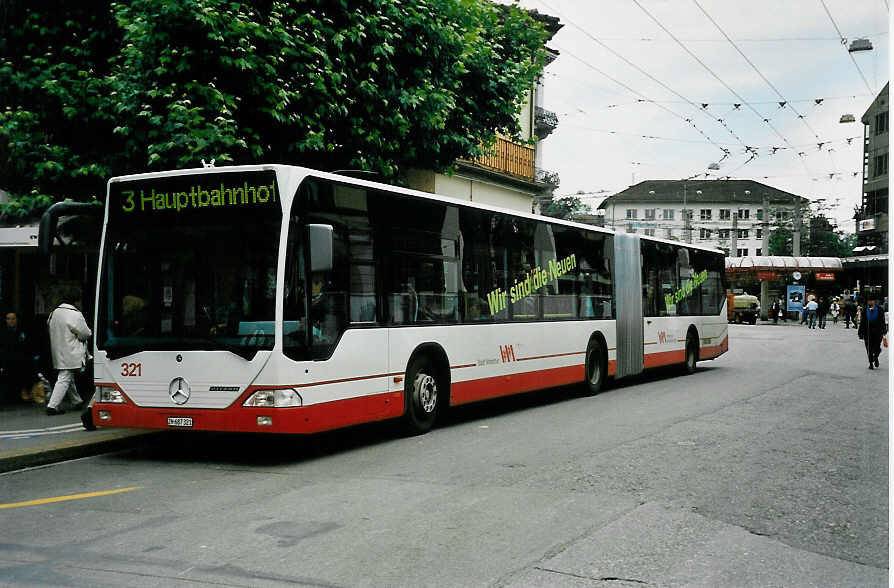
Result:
pixel 509 158
pixel 545 122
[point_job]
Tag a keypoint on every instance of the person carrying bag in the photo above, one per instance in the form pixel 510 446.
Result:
pixel 69 334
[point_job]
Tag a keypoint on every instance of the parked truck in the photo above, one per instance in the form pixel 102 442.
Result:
pixel 742 308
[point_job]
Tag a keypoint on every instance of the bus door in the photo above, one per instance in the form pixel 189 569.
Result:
pixel 629 305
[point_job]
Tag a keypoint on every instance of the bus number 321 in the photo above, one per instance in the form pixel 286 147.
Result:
pixel 131 369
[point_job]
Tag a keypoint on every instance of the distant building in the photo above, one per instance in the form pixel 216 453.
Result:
pixel 659 208
pixel 872 217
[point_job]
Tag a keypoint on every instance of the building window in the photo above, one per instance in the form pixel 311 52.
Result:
pixel 631 213
pixel 631 228
pixel 650 214
pixel 881 123
pixel 704 234
pixel 742 252
pixel 723 233
pixel 744 212
pixel 758 233
pixel 757 252
pixel 704 214
pixel 782 214
pixel 759 214
pixel 669 233
pixel 881 164
pixel 668 214
pixel 724 214
pixel 742 233
pixel 649 232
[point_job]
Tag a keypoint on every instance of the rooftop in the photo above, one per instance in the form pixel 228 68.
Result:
pixel 712 191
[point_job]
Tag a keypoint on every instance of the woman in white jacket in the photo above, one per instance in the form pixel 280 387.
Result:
pixel 68 343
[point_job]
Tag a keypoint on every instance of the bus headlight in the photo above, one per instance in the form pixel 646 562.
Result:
pixel 274 398
pixel 105 393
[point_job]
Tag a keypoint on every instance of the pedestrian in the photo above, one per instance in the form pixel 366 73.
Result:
pixel 848 311
pixel 872 330
pixel 835 310
pixel 774 311
pixel 68 343
pixel 822 310
pixel 15 360
pixel 811 313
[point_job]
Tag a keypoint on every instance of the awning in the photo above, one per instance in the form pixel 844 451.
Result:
pixel 18 236
pixel 782 263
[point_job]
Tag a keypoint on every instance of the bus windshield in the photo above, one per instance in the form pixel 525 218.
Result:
pixel 190 263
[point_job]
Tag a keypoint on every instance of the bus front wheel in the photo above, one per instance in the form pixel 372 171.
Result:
pixel 595 367
pixel 421 393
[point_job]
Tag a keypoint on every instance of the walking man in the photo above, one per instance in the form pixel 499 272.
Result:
pixel 68 342
pixel 872 329
pixel 811 313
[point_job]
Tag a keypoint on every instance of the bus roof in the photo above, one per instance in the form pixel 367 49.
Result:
pixel 303 172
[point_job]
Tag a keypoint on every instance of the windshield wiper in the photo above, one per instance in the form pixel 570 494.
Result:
pixel 116 351
pixel 246 353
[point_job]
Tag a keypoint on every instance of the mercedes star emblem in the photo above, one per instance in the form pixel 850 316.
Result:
pixel 178 390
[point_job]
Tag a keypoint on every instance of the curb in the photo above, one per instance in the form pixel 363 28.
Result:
pixel 104 442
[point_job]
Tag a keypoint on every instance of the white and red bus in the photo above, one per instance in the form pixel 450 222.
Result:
pixel 281 299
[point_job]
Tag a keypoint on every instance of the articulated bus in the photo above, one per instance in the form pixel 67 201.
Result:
pixel 280 299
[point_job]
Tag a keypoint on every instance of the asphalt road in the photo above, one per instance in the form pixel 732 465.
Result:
pixel 768 467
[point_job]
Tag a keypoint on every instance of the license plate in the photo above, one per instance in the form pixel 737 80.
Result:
pixel 179 421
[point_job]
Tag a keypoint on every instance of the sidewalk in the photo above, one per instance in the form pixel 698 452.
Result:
pixel 28 437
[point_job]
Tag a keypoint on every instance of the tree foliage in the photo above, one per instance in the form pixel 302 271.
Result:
pixel 92 90
pixel 563 208
pixel 813 243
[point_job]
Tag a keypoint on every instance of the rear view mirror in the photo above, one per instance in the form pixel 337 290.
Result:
pixel 320 239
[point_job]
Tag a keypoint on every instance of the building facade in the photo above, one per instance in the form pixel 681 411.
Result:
pixel 872 217
pixel 725 214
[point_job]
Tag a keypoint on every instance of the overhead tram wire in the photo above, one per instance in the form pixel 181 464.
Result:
pixel 645 73
pixel 844 42
pixel 848 140
pixel 756 70
pixel 785 101
pixel 631 90
pixel 725 85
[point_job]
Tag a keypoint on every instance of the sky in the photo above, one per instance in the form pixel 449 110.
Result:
pixel 648 89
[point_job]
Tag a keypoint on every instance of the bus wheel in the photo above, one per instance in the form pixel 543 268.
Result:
pixel 595 366
pixel 421 392
pixel 691 353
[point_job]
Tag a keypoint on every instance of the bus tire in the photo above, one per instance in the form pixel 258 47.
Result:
pixel 595 367
pixel 422 391
pixel 691 353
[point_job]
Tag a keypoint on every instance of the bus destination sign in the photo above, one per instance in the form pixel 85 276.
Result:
pixel 197 194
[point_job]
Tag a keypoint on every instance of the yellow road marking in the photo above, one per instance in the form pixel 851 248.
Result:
pixel 69 497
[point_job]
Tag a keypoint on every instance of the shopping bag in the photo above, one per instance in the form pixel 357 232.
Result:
pixel 39 392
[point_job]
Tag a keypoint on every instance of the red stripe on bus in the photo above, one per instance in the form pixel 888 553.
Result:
pixel 473 390
pixel 710 352
pixel 304 419
pixel 661 358
pixel 553 355
pixel 355 379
